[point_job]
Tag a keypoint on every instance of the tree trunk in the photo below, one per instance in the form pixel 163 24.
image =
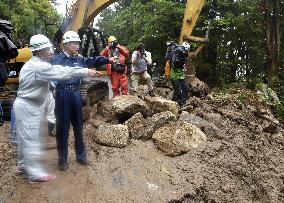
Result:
pixel 272 26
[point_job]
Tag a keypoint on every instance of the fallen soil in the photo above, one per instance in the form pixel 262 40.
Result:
pixel 242 161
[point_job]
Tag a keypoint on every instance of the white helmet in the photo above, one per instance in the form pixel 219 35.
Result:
pixel 71 36
pixel 38 42
pixel 186 45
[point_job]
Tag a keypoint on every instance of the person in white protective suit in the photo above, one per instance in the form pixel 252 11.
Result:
pixel 29 106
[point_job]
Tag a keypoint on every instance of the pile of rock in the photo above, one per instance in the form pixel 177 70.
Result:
pixel 115 121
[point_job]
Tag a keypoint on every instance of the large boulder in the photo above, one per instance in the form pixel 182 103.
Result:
pixel 91 126
pixel 178 137
pixel 141 91
pixel 159 104
pixel 155 122
pixel 144 128
pixel 199 88
pixel 106 111
pixel 136 126
pixel 165 92
pixel 121 108
pixel 112 135
pixel 209 128
pixel 129 104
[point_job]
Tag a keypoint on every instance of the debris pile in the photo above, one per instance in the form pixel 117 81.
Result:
pixel 230 150
pixel 223 148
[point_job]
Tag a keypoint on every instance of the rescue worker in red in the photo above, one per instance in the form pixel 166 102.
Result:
pixel 118 70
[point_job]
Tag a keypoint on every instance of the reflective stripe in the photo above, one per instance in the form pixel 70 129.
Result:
pixel 72 37
pixel 39 44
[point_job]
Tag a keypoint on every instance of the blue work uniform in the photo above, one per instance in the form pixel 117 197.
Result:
pixel 68 105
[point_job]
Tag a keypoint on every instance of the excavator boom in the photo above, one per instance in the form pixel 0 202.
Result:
pixel 191 13
pixel 86 11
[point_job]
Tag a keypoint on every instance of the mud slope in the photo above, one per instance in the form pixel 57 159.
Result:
pixel 242 161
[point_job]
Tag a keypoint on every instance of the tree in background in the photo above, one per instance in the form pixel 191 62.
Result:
pixel 272 17
pixel 151 22
pixel 236 51
pixel 233 53
pixel 24 13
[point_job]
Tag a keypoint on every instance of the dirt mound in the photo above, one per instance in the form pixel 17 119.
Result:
pixel 241 161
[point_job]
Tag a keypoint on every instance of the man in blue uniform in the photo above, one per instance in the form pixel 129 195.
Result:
pixel 68 106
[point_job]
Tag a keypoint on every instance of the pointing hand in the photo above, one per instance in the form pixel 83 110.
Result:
pixel 113 59
pixel 94 73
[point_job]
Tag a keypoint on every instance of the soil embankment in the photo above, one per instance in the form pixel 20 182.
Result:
pixel 241 161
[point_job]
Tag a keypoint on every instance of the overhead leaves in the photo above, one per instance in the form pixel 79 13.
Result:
pixel 30 17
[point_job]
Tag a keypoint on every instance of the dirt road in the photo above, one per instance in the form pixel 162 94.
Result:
pixel 113 176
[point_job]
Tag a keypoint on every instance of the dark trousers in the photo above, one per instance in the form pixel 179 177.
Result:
pixel 68 109
pixel 181 91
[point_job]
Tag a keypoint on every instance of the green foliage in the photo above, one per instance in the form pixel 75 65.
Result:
pixel 237 43
pixel 233 92
pixel 270 97
pixel 280 109
pixel 237 92
pixel 267 94
pixel 25 14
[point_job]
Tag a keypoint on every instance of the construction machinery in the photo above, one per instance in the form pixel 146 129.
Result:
pixel 192 11
pixel 79 17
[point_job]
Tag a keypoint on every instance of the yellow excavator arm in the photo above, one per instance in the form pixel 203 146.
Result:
pixel 84 11
pixel 191 13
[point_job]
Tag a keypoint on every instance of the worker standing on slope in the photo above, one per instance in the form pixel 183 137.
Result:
pixel 177 56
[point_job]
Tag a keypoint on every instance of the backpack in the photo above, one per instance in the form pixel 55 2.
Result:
pixel 179 57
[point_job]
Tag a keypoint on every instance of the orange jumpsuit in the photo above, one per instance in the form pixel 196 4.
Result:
pixel 118 80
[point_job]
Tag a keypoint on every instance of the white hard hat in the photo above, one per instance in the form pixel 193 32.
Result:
pixel 186 45
pixel 38 42
pixel 71 36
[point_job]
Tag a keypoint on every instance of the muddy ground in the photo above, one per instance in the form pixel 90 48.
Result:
pixel 242 161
